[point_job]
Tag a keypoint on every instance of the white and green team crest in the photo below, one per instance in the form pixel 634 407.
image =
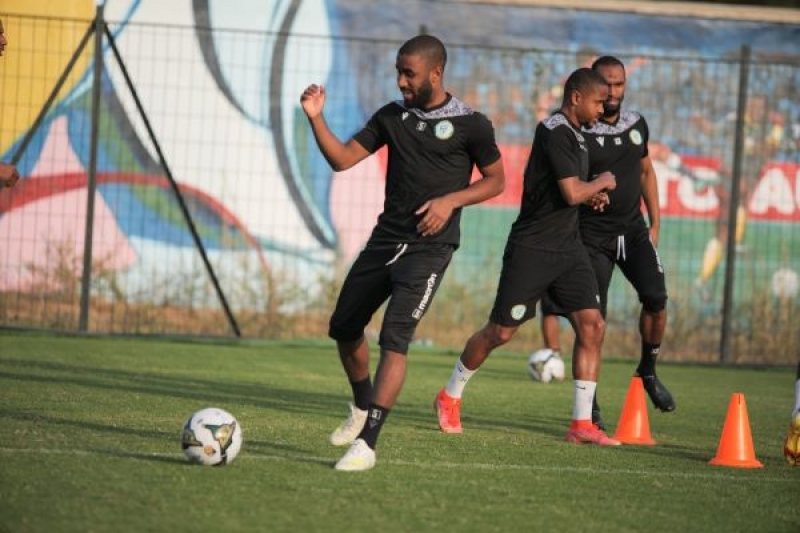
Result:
pixel 636 137
pixel 444 130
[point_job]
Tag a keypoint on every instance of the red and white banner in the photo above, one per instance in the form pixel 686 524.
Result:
pixel 685 190
pixel 774 197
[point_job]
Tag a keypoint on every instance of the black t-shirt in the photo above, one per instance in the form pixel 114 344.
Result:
pixel 545 219
pixel 431 153
pixel 619 148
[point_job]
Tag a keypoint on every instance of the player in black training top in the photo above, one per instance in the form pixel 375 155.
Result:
pixel 434 140
pixel 544 254
pixel 618 235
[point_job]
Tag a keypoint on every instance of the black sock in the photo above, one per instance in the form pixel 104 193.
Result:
pixel 376 416
pixel 647 364
pixel 362 393
pixel 595 405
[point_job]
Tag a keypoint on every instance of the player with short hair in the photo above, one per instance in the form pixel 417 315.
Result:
pixel 791 446
pixel 618 236
pixel 544 255
pixel 9 175
pixel 434 140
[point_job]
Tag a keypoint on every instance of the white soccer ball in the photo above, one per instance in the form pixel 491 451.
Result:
pixel 785 283
pixel 211 437
pixel 544 365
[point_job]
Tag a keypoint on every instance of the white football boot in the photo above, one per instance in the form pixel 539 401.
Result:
pixel 358 457
pixel 348 430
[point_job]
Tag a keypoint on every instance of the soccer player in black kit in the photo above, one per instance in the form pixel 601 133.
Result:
pixel 618 235
pixel 434 140
pixel 544 254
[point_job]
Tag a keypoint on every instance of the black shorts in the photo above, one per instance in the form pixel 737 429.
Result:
pixel 407 274
pixel 528 274
pixel 638 260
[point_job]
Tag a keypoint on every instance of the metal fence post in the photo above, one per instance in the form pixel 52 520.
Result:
pixel 730 246
pixel 91 185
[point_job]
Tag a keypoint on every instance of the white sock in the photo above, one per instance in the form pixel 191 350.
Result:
pixel 458 380
pixel 584 393
pixel 796 398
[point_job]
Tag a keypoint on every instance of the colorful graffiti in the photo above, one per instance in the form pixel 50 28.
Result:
pixel 220 82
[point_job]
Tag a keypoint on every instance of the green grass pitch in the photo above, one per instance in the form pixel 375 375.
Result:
pixel 90 442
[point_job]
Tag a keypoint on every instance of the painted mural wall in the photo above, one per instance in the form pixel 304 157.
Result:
pixel 220 82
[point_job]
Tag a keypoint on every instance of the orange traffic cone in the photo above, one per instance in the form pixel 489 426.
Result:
pixel 633 426
pixel 736 442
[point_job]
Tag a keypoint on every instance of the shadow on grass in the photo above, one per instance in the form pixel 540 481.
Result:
pixel 39 418
pixel 202 391
pixel 221 392
pixel 143 456
pixel 273 448
pixel 425 419
pixel 292 401
pixel 281 451
pixel 672 451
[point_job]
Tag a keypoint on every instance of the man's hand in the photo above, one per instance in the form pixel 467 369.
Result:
pixel 9 175
pixel 599 201
pixel 435 214
pixel 313 100
pixel 607 179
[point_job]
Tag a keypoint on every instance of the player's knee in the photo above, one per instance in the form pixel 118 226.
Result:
pixel 503 335
pixel 397 337
pixel 393 346
pixel 654 302
pixel 344 331
pixel 396 345
pixel 496 335
pixel 591 327
pixel 340 334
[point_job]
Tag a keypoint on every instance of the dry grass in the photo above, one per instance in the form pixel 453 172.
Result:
pixel 763 331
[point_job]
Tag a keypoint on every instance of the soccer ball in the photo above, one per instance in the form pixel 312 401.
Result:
pixel 211 437
pixel 544 365
pixel 785 283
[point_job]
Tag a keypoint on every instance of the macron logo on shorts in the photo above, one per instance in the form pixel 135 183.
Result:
pixel 417 313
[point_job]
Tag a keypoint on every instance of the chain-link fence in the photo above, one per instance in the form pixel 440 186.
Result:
pixel 277 229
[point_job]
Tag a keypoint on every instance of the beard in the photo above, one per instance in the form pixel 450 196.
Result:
pixel 422 96
pixel 609 110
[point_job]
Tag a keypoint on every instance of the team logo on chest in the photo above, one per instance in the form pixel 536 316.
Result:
pixel 444 130
pixel 636 137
